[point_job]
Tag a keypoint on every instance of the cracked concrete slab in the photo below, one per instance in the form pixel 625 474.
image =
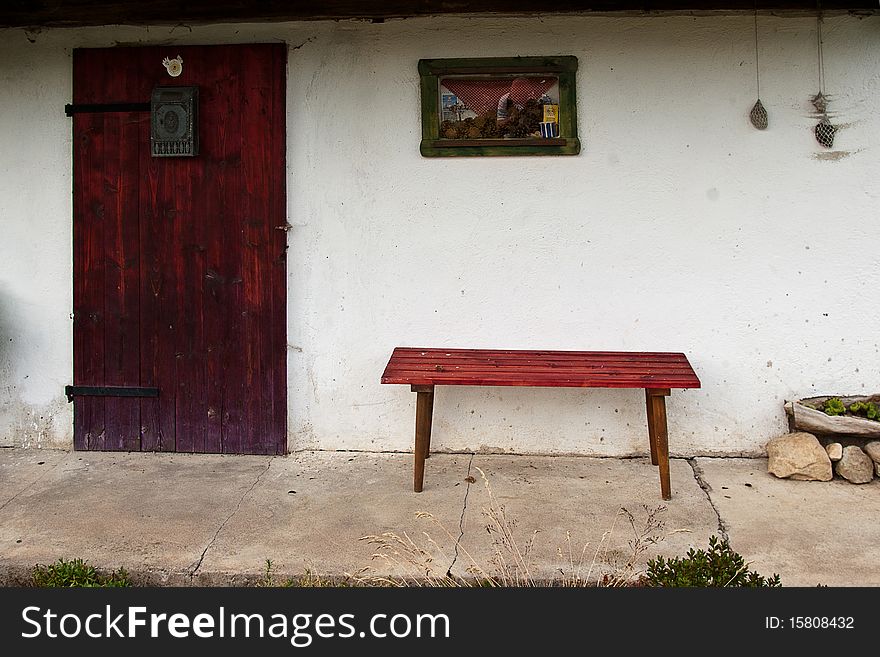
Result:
pixel 456 553
pixel 311 509
pixel 809 532
pixel 569 507
pixel 194 569
pixel 158 515
pixel 150 513
pixel 699 475
pixel 21 468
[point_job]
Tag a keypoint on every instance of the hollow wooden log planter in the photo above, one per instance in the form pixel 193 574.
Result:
pixel 805 416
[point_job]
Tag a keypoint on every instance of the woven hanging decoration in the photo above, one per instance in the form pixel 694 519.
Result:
pixel 758 115
pixel 824 130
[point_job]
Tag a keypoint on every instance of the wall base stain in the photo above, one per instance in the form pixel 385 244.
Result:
pixel 46 427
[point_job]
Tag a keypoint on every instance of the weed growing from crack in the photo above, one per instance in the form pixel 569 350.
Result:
pixel 310 580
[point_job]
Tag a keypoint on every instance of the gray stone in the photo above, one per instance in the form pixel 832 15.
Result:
pixel 873 450
pixel 835 451
pixel 798 455
pixel 855 466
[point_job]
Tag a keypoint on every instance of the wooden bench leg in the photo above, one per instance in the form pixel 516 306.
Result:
pixel 652 434
pixel 656 401
pixel 430 422
pixel 424 413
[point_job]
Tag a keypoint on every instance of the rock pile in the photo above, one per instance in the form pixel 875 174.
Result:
pixel 800 455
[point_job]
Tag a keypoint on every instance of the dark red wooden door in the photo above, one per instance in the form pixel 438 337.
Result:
pixel 179 263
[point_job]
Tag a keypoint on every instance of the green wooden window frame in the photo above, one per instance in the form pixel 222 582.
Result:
pixel 563 67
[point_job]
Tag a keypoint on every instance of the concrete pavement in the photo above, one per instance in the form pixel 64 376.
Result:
pixel 182 519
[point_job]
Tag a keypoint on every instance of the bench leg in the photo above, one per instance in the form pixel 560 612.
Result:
pixel 656 401
pixel 652 434
pixel 424 413
pixel 430 422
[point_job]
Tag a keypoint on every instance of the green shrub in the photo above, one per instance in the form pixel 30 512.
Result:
pixel 834 407
pixel 76 573
pixel 720 567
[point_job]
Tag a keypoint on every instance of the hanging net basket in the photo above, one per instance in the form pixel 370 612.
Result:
pixel 825 133
pixel 758 116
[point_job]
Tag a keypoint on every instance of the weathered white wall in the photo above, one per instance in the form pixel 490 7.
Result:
pixel 35 244
pixel 679 227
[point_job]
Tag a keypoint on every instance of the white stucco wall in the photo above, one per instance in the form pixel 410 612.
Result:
pixel 679 227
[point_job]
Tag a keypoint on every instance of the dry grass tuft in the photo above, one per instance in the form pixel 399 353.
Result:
pixel 424 562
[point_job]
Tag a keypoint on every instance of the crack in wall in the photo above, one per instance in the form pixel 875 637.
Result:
pixel 698 476
pixel 461 518
pixel 194 568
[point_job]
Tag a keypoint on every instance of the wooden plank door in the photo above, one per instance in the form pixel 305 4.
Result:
pixel 179 263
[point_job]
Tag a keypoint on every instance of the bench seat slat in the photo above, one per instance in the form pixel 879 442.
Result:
pixel 415 363
pixel 404 353
pixel 535 366
pixel 554 382
pixel 547 372
pixel 416 366
pixel 441 378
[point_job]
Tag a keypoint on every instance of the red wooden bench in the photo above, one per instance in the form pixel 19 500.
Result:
pixel 656 372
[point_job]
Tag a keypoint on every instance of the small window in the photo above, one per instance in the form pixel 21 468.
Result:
pixel 499 106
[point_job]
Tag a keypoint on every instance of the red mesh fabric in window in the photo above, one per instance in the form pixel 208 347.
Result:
pixel 481 95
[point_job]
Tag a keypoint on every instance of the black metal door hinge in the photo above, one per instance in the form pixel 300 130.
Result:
pixel 108 391
pixel 96 108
